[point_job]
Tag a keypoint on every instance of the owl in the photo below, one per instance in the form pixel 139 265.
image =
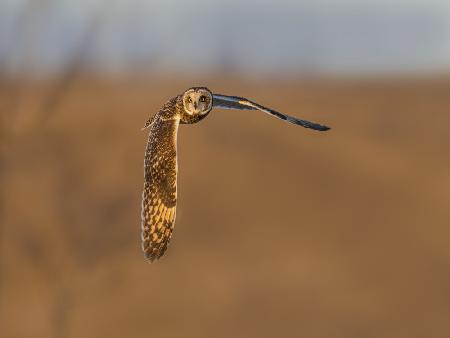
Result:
pixel 159 199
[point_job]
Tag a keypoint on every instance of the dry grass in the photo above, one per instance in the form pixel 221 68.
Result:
pixel 281 232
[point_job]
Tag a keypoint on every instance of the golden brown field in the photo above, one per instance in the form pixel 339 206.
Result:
pixel 281 231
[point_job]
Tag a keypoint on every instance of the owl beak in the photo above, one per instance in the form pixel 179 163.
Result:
pixel 195 105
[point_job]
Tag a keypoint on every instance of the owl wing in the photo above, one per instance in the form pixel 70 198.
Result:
pixel 235 102
pixel 160 187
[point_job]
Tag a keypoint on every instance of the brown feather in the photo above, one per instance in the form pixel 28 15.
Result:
pixel 160 186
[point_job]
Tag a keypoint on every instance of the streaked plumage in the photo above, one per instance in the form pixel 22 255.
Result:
pixel 160 164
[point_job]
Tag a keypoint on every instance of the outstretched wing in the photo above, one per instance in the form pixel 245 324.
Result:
pixel 160 188
pixel 235 102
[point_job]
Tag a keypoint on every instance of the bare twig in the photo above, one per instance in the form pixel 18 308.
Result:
pixel 52 101
pixel 74 67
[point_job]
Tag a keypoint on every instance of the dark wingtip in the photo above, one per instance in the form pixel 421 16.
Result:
pixel 307 124
pixel 150 257
pixel 322 128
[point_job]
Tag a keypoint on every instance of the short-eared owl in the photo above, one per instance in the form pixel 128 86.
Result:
pixel 160 188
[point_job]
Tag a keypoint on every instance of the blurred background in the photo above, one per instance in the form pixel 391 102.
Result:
pixel 281 231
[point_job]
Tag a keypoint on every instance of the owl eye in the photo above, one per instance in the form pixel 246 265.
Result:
pixel 202 98
pixel 189 100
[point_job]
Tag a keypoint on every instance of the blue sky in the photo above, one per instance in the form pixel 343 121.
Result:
pixel 256 36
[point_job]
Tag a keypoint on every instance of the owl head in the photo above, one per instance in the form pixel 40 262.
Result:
pixel 197 103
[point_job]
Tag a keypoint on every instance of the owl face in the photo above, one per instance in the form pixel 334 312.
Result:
pixel 197 101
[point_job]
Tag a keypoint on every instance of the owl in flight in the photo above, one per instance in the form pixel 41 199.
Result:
pixel 159 199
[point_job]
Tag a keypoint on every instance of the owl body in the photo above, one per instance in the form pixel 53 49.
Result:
pixel 159 197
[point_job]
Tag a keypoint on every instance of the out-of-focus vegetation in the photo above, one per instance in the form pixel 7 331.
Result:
pixel 280 230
